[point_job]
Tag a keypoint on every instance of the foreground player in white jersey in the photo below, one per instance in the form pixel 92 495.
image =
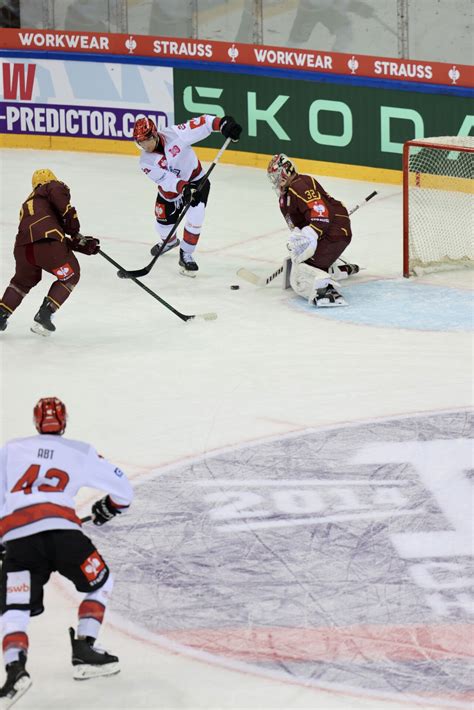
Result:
pixel 39 477
pixel 172 164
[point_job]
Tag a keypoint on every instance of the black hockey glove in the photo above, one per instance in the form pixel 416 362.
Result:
pixel 191 194
pixel 85 245
pixel 103 510
pixel 230 128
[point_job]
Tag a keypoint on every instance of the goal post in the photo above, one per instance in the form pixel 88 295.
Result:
pixel 438 204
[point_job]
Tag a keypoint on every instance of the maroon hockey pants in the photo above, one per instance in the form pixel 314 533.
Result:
pixel 328 250
pixel 31 260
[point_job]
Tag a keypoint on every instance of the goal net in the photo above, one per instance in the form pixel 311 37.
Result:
pixel 438 204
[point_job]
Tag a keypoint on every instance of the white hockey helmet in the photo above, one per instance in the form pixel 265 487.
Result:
pixel 280 168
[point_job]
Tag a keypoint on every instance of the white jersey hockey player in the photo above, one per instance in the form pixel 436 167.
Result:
pixel 169 160
pixel 39 477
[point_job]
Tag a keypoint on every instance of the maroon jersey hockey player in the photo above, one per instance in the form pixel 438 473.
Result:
pixel 320 230
pixel 41 244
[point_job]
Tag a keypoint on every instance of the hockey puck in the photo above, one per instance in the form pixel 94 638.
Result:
pixel 234 287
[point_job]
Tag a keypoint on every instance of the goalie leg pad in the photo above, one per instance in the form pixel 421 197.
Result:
pixel 287 264
pixel 303 278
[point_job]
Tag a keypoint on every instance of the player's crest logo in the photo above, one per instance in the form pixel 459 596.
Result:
pixel 160 211
pixel 174 150
pixel 162 163
pixel 93 566
pixel 320 208
pixel 63 272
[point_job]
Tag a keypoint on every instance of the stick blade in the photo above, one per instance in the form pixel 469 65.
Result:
pixel 132 274
pixel 249 276
pixel 207 316
pixel 204 316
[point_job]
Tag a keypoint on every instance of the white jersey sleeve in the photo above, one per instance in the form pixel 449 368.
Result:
pixel 39 478
pixel 196 129
pixel 105 476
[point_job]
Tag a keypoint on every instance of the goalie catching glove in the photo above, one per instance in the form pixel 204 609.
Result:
pixel 302 244
pixel 230 128
pixel 85 245
pixel 104 510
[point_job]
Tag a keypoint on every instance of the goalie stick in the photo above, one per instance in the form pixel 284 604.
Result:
pixel 205 316
pixel 257 280
pixel 123 273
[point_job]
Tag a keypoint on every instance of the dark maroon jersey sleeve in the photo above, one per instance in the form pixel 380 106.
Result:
pixel 60 198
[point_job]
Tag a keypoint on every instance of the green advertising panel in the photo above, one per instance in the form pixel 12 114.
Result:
pixel 337 123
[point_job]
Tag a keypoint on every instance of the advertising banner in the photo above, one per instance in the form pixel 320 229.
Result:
pixel 77 99
pixel 321 121
pixel 239 55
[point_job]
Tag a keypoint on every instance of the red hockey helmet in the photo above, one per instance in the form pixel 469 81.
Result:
pixel 280 168
pixel 49 416
pixel 143 130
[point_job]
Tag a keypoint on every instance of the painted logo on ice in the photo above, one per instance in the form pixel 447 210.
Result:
pixel 338 558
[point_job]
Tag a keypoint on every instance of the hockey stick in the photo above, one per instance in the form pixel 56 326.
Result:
pixel 123 274
pixel 86 519
pixel 257 280
pixel 364 202
pixel 205 316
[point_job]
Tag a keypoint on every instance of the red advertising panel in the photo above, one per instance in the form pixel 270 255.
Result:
pixel 239 55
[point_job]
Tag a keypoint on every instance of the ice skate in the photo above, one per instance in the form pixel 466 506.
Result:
pixel 17 682
pixel 328 297
pixel 3 318
pixel 89 661
pixel 187 264
pixel 170 245
pixel 349 268
pixel 343 271
pixel 43 324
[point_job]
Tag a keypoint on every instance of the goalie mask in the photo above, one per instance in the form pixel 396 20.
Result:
pixel 143 130
pixel 49 416
pixel 42 176
pixel 280 169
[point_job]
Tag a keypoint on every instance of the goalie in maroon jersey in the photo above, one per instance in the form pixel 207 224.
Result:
pixel 41 245
pixel 320 231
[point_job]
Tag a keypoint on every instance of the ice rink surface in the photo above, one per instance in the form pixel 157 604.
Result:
pixel 300 536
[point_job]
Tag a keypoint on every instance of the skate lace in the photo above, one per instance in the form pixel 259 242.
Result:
pixel 188 258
